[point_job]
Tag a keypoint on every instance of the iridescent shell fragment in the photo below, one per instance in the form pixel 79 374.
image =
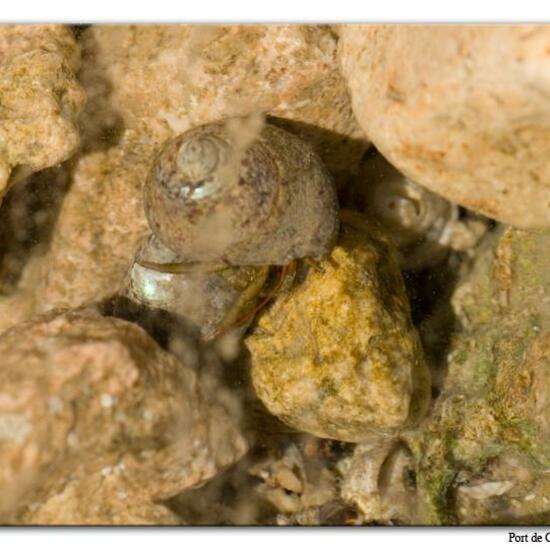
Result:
pixel 213 299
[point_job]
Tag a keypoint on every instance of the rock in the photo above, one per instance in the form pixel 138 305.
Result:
pixel 509 491
pixel 378 480
pixel 98 424
pixel 18 39
pixel 99 228
pixel 40 102
pixel 165 79
pixel 333 131
pixel 286 479
pixel 294 483
pixel 461 110
pixel 493 402
pixel 338 356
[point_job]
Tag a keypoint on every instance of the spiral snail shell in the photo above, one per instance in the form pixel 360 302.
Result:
pixel 225 202
pixel 424 226
pixel 214 196
pixel 213 300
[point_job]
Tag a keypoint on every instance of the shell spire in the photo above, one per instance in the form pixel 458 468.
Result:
pixel 258 199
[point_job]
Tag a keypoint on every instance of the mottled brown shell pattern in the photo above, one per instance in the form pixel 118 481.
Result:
pixel 211 199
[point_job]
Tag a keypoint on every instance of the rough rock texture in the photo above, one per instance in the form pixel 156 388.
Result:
pixel 297 485
pixel 338 356
pixel 462 110
pixel 40 100
pixel 166 79
pixel 97 424
pixel 510 490
pixel 494 401
pixel 285 479
pixel 379 479
pixel 18 39
pixel 99 227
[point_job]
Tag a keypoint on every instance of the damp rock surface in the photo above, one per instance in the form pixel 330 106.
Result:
pixel 331 415
pixel 166 79
pixel 338 356
pixel 494 398
pixel 40 100
pixel 99 228
pixel 19 39
pixel 98 424
pixel 377 479
pixel 462 110
pixel 146 84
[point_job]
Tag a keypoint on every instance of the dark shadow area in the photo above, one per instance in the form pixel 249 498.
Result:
pixel 430 292
pixel 101 125
pixel 161 325
pixel 28 214
pixel 78 29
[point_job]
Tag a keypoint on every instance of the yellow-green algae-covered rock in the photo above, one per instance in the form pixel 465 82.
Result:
pixel 484 453
pixel 338 356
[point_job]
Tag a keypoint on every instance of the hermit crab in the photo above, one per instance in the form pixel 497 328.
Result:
pixel 225 202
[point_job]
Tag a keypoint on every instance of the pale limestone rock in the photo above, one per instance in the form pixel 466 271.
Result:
pixel 377 479
pixel 146 84
pixel 97 424
pixel 166 79
pixel 99 227
pixel 18 39
pixel 462 110
pixel 293 482
pixel 20 305
pixel 40 100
